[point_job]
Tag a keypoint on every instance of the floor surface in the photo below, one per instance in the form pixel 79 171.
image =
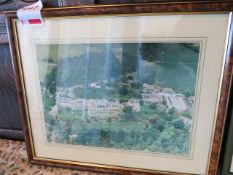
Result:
pixel 13 161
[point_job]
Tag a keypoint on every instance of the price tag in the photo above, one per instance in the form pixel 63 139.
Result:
pixel 31 15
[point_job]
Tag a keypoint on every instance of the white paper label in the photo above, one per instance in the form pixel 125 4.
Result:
pixel 31 15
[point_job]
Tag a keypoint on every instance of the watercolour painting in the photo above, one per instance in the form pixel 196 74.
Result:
pixel 132 96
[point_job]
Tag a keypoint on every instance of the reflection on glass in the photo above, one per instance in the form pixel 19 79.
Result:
pixel 131 96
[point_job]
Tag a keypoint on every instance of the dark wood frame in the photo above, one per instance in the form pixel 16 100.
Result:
pixel 166 7
pixel 227 148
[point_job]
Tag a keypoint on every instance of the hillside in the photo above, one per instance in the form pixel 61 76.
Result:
pixel 172 65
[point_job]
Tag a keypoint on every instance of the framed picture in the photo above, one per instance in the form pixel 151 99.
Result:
pixel 125 89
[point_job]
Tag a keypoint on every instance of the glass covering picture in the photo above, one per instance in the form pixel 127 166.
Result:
pixel 127 96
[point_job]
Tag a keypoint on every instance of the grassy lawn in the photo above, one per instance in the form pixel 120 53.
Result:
pixel 114 126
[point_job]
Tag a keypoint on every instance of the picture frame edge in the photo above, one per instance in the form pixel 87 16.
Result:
pixel 222 104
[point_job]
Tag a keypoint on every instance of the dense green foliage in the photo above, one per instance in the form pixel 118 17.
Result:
pixel 165 134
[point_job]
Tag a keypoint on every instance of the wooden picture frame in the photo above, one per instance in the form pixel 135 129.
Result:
pixel 165 11
pixel 225 162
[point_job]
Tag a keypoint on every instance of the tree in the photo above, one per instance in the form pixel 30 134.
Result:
pixel 121 135
pixel 104 135
pixel 187 94
pixel 128 114
pixel 136 85
pixel 178 124
pixel 49 119
pixel 160 124
pixel 109 120
pixel 51 81
pixel 151 51
pixel 49 101
pixel 124 99
pixel 128 110
pixel 153 106
pixel 141 102
pixel 172 111
pixel 129 63
pixel 124 90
